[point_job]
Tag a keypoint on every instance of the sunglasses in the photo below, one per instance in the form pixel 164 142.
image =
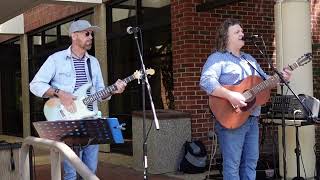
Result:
pixel 87 33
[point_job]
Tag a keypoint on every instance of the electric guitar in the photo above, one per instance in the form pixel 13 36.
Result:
pixel 54 110
pixel 256 92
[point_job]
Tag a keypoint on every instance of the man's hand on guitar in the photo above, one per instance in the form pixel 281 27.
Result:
pixel 286 73
pixel 121 85
pixel 67 100
pixel 236 99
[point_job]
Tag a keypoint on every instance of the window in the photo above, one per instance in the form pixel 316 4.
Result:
pixel 153 17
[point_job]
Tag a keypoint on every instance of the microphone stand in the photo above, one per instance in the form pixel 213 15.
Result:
pixel 144 83
pixel 282 109
pixel 282 83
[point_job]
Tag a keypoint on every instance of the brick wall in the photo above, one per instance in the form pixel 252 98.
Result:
pixel 193 35
pixel 315 22
pixel 6 37
pixel 192 39
pixel 48 13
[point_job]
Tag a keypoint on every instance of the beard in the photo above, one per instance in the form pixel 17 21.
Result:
pixel 87 45
pixel 83 44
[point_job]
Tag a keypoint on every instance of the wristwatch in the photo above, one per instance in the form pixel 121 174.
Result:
pixel 56 91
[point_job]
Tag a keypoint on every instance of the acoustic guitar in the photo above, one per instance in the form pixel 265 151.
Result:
pixel 256 93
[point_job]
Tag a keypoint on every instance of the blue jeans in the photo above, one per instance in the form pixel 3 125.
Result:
pixel 89 155
pixel 240 150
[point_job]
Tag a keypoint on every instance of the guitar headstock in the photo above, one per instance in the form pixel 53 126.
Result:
pixel 138 74
pixel 305 59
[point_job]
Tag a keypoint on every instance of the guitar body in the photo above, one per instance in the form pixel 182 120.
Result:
pixel 54 110
pixel 230 117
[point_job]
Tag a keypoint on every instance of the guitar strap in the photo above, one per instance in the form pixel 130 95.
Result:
pixel 264 78
pixel 89 68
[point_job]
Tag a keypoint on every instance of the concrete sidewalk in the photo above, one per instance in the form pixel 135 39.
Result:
pixel 112 166
pixel 107 171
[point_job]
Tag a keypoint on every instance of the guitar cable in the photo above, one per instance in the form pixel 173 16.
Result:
pixel 147 135
pixel 214 146
pixel 213 153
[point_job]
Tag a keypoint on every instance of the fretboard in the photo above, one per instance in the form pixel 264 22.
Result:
pixel 105 92
pixel 267 84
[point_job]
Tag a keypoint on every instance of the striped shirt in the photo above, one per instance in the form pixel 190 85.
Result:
pixel 81 77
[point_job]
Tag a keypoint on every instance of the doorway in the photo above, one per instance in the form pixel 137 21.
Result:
pixel 10 80
pixel 154 20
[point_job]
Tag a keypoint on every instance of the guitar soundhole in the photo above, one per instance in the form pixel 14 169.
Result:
pixel 249 105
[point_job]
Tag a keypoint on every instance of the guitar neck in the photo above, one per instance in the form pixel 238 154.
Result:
pixel 105 92
pixel 267 84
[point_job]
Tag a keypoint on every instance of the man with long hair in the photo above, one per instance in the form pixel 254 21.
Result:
pixel 228 65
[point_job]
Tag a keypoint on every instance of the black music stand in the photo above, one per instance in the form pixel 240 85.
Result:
pixel 81 133
pixel 294 110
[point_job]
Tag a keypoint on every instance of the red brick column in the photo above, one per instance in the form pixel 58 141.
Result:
pixel 192 40
pixel 315 27
pixel 193 35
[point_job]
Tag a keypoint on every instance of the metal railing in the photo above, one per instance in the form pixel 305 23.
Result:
pixel 58 150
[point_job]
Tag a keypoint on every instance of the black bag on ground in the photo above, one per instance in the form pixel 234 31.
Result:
pixel 195 158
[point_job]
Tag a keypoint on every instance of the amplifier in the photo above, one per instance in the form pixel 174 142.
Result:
pixel 293 108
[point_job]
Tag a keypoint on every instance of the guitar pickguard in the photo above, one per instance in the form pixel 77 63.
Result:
pixel 54 110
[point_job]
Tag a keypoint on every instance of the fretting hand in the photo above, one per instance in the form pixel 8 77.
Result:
pixel 286 74
pixel 121 85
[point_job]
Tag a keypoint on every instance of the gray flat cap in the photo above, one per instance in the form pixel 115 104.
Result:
pixel 81 25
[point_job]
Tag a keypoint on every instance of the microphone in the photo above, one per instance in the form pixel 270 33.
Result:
pixel 131 30
pixel 251 37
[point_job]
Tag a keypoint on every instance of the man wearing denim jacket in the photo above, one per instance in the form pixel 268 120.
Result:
pixel 67 70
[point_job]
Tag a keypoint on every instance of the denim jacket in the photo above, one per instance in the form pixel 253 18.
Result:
pixel 58 72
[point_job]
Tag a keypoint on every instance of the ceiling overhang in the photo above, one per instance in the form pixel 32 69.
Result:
pixel 11 12
pixel 13 8
pixel 13 26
